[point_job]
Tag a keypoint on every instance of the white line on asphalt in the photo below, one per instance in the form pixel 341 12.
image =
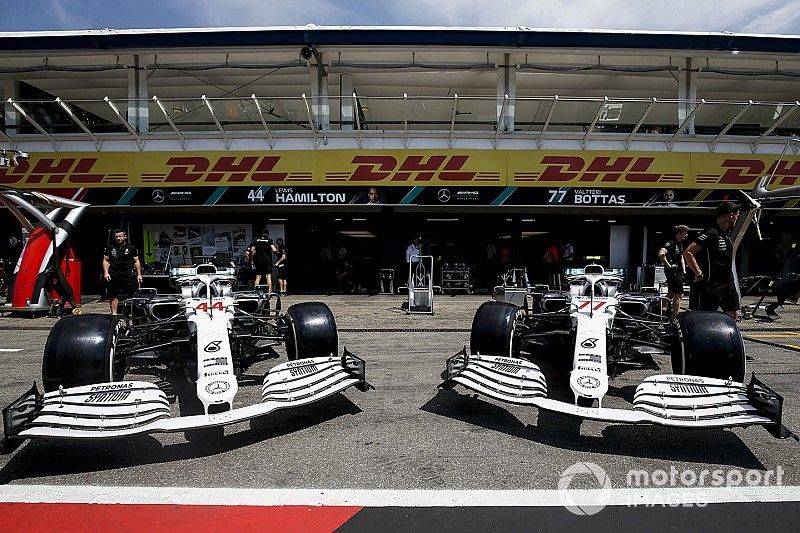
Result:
pixel 11 349
pixel 391 498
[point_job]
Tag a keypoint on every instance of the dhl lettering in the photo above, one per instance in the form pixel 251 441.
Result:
pixel 227 165
pixel 425 171
pixel 372 168
pixel 413 168
pixel 45 167
pixel 263 173
pixel 790 172
pixel 742 171
pixel 559 169
pixel 748 171
pixel 181 173
pixel 57 171
pixel 600 165
pixel 225 169
pixel 14 174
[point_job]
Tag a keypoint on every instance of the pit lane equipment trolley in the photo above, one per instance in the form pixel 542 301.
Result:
pixel 420 285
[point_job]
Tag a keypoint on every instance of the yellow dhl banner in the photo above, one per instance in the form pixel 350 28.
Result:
pixel 516 168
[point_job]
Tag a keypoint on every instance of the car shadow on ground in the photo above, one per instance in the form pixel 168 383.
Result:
pixel 564 432
pixel 48 458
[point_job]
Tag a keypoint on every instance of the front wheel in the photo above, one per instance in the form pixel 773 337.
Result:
pixel 493 330
pixel 311 331
pixel 81 350
pixel 708 344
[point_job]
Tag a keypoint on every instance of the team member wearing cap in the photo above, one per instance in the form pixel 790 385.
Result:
pixel 710 257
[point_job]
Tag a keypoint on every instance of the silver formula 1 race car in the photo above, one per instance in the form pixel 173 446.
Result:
pixel 208 333
pixel 604 332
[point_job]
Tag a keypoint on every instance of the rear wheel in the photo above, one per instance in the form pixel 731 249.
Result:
pixel 81 350
pixel 709 345
pixel 493 330
pixel 311 331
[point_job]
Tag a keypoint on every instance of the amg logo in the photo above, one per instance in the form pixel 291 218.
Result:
pixel 215 361
pixel 689 389
pixel 303 370
pixel 115 386
pixel 103 397
pixel 589 357
pixel 506 369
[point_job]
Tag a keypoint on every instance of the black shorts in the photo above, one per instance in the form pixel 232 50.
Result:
pixel 675 283
pixel 122 286
pixel 713 297
pixel 264 269
pixel 281 271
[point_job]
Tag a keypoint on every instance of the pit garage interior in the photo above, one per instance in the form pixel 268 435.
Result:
pixel 406 91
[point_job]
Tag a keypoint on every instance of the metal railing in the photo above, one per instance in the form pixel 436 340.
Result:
pixel 537 118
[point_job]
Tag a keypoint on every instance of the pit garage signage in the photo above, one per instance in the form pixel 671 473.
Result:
pixel 588 170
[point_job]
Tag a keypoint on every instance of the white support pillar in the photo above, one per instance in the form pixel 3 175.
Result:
pixel 506 85
pixel 11 90
pixel 687 91
pixel 320 105
pixel 346 101
pixel 138 99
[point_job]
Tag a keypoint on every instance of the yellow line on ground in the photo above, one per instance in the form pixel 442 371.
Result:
pixel 771 335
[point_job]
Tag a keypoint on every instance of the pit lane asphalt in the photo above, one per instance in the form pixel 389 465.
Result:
pixel 405 434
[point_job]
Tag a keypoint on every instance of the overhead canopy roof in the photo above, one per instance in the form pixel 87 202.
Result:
pixel 513 37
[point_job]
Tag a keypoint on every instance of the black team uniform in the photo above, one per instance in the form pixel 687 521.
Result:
pixel 676 274
pixel 281 274
pixel 121 269
pixel 717 288
pixel 263 256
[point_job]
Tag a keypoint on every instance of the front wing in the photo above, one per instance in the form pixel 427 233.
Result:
pixel 667 400
pixel 124 408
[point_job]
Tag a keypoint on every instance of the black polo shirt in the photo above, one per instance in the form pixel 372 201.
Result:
pixel 674 250
pixel 120 258
pixel 716 255
pixel 263 251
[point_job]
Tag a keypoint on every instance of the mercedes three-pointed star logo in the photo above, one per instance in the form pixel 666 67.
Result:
pixel 444 195
pixel 158 196
pixel 217 387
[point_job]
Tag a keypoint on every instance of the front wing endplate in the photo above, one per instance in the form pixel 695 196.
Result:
pixel 667 400
pixel 125 408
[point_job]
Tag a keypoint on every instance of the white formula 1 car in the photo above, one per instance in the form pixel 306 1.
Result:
pixel 606 332
pixel 209 333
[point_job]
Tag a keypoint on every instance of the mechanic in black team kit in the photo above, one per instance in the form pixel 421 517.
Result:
pixel 263 248
pixel 280 266
pixel 671 256
pixel 710 257
pixel 120 261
